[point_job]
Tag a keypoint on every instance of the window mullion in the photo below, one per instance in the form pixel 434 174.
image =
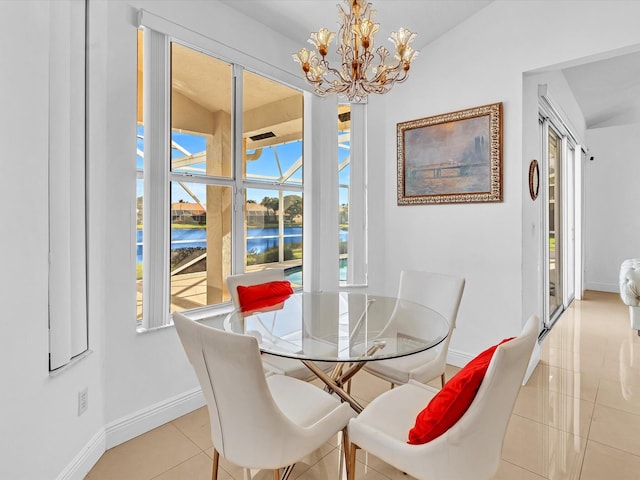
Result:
pixel 237 225
pixel 357 246
pixel 320 246
pixel 156 186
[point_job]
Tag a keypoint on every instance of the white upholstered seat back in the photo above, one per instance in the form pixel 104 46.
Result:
pixel 478 436
pixel 242 412
pixel 472 447
pixel 252 278
pixel 439 292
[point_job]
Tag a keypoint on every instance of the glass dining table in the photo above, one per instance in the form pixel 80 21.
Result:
pixel 346 328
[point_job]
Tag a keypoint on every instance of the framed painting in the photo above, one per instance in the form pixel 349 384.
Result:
pixel 451 158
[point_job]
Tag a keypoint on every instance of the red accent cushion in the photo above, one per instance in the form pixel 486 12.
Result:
pixel 450 403
pixel 255 297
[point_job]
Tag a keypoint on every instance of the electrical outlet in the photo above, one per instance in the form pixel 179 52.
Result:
pixel 83 400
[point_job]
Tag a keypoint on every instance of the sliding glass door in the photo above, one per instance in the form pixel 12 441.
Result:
pixel 554 221
pixel 558 172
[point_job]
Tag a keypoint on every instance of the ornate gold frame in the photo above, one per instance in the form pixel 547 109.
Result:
pixel 451 158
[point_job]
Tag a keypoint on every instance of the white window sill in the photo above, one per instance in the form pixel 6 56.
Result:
pixel 206 314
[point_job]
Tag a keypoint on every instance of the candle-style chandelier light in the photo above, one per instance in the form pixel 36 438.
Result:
pixel 358 76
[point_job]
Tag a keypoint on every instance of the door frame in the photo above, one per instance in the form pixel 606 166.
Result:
pixel 570 179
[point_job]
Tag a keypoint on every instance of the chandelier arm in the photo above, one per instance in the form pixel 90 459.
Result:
pixel 313 81
pixel 389 73
pixel 336 72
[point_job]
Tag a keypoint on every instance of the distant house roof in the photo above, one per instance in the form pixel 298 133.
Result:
pixel 193 208
pixel 255 208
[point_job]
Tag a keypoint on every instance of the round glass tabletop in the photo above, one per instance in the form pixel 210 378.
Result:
pixel 341 327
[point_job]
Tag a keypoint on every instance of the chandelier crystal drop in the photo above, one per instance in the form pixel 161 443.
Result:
pixel 358 75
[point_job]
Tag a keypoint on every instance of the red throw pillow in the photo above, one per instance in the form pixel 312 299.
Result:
pixel 450 403
pixel 254 297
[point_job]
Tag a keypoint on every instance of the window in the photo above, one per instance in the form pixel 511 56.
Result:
pixel 272 175
pixel 139 179
pixel 211 202
pixel 352 211
pixel 344 184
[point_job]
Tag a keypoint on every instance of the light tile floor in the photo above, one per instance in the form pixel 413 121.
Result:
pixel 578 416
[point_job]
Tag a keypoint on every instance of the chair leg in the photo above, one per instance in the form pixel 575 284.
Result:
pixel 345 447
pixel 442 379
pixel 276 474
pixel 216 460
pixel 351 473
pixel 286 473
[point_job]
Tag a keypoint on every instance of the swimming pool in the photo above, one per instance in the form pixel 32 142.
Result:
pixel 294 274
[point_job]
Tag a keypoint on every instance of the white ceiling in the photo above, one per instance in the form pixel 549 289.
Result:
pixel 296 19
pixel 608 91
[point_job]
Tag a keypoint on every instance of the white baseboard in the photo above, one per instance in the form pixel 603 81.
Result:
pixel 85 459
pixel 457 358
pixel 602 287
pixel 130 427
pixel 153 416
pixel 460 359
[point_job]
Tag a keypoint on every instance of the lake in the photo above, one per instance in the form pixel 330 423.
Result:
pixel 258 239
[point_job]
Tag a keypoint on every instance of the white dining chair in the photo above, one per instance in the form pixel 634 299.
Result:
pixel 257 422
pixel 441 293
pixel 471 448
pixel 273 364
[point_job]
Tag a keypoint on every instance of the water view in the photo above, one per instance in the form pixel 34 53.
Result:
pixel 258 239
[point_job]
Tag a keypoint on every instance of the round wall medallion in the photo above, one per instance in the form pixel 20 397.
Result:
pixel 534 179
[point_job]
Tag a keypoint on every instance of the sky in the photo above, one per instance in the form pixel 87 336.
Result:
pixel 266 165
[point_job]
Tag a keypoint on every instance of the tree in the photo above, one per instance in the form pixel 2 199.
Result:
pixel 293 206
pixel 139 211
pixel 344 213
pixel 271 203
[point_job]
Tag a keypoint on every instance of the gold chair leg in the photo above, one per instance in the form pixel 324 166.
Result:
pixel 216 460
pixel 345 447
pixel 276 474
pixel 286 473
pixel 442 379
pixel 351 473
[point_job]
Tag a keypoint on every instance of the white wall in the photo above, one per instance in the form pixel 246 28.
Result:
pixel 482 61
pixel 41 432
pixel 612 190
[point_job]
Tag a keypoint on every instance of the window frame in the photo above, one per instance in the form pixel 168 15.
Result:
pixel 157 177
pixel 242 183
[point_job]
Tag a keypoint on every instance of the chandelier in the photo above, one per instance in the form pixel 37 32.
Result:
pixel 358 76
